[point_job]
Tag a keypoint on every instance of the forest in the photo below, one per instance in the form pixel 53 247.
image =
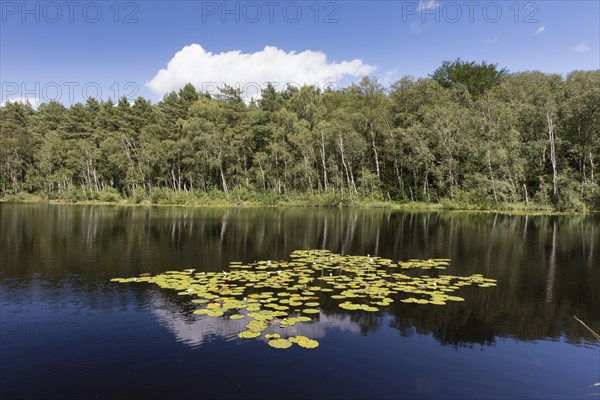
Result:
pixel 468 136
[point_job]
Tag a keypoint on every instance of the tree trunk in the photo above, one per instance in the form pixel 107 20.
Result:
pixel 223 178
pixel 307 174
pixel 592 166
pixel 173 181
pixel 352 179
pixel 323 160
pixel 415 182
pixel 398 175
pixel 375 154
pixel 223 181
pixel 178 174
pixel 246 171
pixel 277 173
pixel 284 176
pixel 492 177
pixel 262 172
pixel 553 159
pixel 426 186
pixel 341 146
pixel 95 179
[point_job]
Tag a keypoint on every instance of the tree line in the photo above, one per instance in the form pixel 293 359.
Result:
pixel 470 134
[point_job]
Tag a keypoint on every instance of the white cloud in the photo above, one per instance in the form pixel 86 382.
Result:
pixel 492 40
pixel 33 101
pixel 581 48
pixel 251 71
pixel 199 330
pixel 427 5
pixel 416 27
pixel 390 77
pixel 540 30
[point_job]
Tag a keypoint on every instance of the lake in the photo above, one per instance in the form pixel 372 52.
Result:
pixel 68 332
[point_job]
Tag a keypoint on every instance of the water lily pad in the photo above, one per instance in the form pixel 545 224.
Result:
pixel 249 334
pixel 311 311
pixel 280 343
pixel 305 342
pixel 272 336
pixel 266 289
pixel 349 306
pixel 365 307
pixel 215 313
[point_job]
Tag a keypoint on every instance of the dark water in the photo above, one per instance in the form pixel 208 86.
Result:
pixel 67 332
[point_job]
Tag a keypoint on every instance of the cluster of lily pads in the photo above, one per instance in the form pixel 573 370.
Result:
pixel 285 293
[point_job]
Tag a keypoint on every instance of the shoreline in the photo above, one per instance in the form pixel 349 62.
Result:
pixel 509 209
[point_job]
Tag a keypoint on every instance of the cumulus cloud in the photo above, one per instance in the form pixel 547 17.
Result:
pixel 390 76
pixel 416 27
pixel 540 30
pixel 581 48
pixel 206 70
pixel 427 5
pixel 198 331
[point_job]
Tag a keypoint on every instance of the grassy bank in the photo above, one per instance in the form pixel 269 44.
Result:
pixel 162 197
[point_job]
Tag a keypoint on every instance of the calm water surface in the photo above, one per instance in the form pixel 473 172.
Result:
pixel 67 332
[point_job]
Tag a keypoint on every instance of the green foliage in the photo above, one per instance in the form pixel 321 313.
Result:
pixel 472 136
pixel 571 198
pixel 72 194
pixel 23 197
pixel 471 197
pixel 334 200
pixel 543 194
pixel 138 196
pixel 476 77
pixel 108 195
pixel 159 195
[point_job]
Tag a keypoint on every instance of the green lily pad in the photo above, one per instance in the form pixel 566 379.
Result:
pixel 280 343
pixel 311 311
pixel 272 336
pixel 305 342
pixel 266 289
pixel 249 334
pixel 365 307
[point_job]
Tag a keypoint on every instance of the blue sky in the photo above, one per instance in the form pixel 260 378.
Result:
pixel 66 51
